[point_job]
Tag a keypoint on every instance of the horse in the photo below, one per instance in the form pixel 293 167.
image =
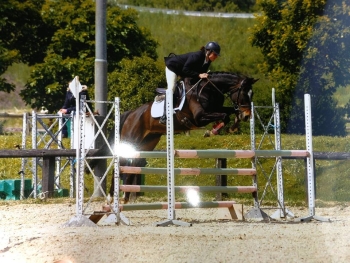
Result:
pixel 202 104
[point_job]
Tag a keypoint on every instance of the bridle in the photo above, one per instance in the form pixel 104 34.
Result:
pixel 238 88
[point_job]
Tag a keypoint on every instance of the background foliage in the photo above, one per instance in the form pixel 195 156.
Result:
pixel 24 35
pixel 305 45
pixel 300 46
pixel 136 82
pixel 72 49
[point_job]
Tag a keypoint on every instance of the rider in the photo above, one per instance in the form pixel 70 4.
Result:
pixel 194 65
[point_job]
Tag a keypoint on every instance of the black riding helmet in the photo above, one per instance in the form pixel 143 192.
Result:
pixel 213 46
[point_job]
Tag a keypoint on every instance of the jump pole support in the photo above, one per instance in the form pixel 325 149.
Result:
pixel 310 164
pixel 282 212
pixel 170 164
pixel 79 219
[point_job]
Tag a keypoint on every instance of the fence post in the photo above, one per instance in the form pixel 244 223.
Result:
pixel 48 176
pixel 221 180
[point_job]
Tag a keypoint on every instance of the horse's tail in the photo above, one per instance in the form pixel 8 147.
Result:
pixel 105 150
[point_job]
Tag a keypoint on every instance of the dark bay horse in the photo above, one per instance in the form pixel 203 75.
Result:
pixel 204 104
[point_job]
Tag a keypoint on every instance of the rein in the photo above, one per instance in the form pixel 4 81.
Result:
pixel 239 89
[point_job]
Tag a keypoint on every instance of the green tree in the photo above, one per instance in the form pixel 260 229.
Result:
pixel 72 49
pixel 305 44
pixel 136 82
pixel 24 35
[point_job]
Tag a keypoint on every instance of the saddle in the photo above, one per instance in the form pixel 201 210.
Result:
pixel 158 107
pixel 177 92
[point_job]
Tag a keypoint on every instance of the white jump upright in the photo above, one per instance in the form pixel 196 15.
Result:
pixel 79 219
pixel 310 163
pixel 170 164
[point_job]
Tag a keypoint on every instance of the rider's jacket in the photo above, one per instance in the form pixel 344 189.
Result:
pixel 188 65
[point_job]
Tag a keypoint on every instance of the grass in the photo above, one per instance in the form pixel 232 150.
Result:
pixel 332 182
pixel 190 33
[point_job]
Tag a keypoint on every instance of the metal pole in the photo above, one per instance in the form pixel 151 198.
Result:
pixel 34 160
pixel 23 161
pixel 310 159
pixel 101 57
pixel 100 78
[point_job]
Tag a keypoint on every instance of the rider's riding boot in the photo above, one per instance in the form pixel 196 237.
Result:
pixel 162 119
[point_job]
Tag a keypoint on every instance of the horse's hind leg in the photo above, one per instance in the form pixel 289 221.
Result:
pixel 111 189
pixel 126 196
pixel 129 181
pixel 132 179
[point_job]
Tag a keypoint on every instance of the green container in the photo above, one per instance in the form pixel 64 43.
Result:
pixel 11 189
pixel 68 124
pixel 61 193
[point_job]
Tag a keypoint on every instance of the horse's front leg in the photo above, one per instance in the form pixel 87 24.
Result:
pixel 219 123
pixel 207 118
pixel 235 127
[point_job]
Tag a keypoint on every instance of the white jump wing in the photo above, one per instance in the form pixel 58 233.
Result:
pixel 75 86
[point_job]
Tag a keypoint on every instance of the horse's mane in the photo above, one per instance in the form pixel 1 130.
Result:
pixel 232 74
pixel 227 77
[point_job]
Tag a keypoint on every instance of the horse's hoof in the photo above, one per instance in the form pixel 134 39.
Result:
pixel 232 130
pixel 207 134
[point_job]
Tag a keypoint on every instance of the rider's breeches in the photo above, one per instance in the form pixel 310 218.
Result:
pixel 170 79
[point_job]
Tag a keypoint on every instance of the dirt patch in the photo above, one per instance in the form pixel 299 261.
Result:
pixel 35 233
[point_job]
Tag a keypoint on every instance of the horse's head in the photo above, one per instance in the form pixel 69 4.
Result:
pixel 206 98
pixel 239 88
pixel 242 96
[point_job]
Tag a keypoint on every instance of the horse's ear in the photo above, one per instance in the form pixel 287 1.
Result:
pixel 254 80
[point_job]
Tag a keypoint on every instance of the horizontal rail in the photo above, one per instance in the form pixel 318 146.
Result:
pixel 21 153
pixel 178 205
pixel 184 189
pixel 285 154
pixel 186 171
pixel 332 155
pixel 220 153
pixel 39 115
pixel 10 115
